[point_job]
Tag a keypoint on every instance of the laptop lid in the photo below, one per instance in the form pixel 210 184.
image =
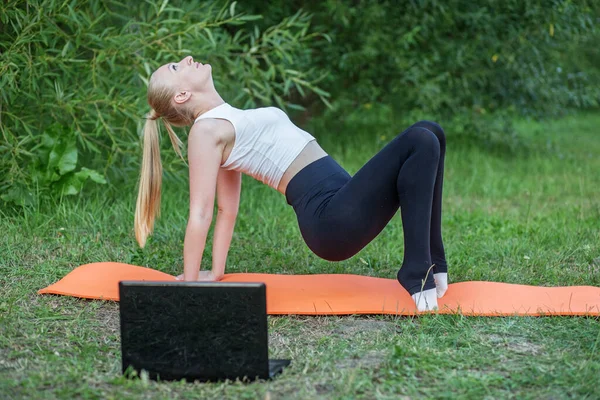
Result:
pixel 194 330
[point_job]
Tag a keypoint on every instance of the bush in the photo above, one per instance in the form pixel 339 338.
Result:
pixel 73 74
pixel 73 78
pixel 449 56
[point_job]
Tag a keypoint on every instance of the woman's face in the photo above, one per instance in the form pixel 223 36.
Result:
pixel 185 75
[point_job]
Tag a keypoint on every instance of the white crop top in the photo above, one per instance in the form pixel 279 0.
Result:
pixel 266 141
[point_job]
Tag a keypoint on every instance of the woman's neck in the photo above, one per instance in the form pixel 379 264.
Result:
pixel 205 102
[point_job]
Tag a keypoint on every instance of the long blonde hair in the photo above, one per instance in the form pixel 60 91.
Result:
pixel 160 99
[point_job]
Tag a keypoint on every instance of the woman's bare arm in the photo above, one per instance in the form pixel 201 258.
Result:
pixel 228 198
pixel 205 150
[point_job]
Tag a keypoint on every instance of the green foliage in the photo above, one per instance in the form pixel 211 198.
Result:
pixel 73 77
pixel 53 163
pixel 450 56
pixel 73 74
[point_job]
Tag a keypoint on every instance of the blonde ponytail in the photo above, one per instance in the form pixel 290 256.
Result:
pixel 175 141
pixel 148 201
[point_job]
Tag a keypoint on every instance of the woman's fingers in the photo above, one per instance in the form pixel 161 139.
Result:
pixel 202 276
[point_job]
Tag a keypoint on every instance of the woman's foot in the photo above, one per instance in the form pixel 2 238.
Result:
pixel 441 283
pixel 426 300
pixel 419 282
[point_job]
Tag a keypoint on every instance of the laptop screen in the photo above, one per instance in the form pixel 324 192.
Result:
pixel 194 330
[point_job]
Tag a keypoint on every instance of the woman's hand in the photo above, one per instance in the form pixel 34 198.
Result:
pixel 203 276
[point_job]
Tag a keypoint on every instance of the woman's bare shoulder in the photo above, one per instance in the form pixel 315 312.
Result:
pixel 213 129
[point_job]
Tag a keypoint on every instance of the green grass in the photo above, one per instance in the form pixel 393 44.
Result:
pixel 530 218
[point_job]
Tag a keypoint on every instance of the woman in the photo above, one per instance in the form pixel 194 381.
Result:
pixel 337 214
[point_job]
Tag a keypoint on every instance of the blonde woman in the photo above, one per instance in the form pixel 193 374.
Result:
pixel 337 214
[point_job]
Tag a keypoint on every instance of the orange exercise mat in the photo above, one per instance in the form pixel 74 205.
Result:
pixel 339 294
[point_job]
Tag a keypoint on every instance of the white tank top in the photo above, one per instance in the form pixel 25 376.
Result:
pixel 266 141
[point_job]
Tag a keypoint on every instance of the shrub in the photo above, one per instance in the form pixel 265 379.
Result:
pixel 73 76
pixel 447 56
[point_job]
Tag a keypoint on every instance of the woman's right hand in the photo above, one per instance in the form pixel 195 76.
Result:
pixel 203 276
pixel 207 276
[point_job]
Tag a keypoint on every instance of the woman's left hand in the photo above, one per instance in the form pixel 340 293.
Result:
pixel 203 276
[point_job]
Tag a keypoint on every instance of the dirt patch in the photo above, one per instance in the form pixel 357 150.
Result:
pixel 348 328
pixel 322 389
pixel 519 345
pixel 107 316
pixel 525 347
pixel 9 363
pixel 595 265
pixel 278 341
pixel 371 359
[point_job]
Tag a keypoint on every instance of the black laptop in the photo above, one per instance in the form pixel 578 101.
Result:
pixel 205 331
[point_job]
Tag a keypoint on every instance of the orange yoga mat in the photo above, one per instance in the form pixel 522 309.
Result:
pixel 339 294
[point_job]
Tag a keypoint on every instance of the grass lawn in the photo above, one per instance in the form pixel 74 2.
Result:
pixel 531 219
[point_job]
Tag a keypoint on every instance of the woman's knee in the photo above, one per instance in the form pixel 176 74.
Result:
pixel 436 129
pixel 425 139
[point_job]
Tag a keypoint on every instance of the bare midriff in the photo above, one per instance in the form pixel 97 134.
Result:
pixel 311 152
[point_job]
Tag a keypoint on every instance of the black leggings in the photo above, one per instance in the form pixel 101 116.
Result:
pixel 338 214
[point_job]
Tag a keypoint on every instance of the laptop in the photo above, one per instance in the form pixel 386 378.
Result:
pixel 205 331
